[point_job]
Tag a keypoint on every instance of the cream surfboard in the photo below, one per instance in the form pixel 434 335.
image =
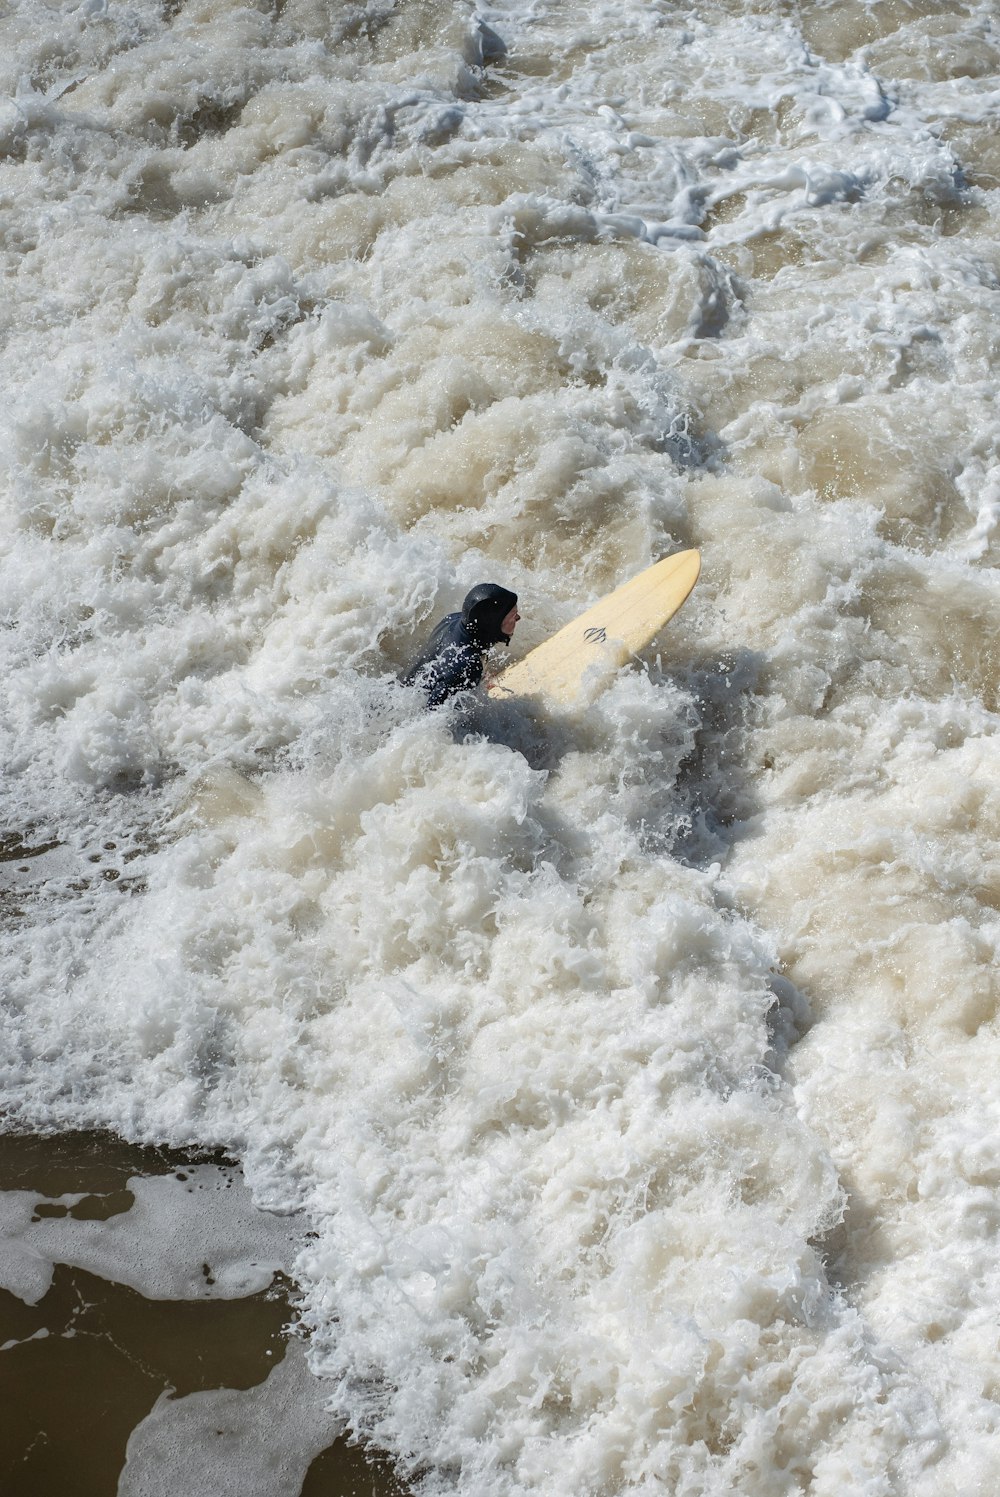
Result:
pixel 578 661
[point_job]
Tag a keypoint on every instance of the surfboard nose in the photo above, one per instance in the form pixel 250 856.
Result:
pixel 581 659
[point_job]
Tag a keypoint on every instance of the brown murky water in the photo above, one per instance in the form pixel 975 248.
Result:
pixel 82 1368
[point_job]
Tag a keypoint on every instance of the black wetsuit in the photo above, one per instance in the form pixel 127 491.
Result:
pixel 452 659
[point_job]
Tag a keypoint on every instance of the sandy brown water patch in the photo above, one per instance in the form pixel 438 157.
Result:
pixel 111 1391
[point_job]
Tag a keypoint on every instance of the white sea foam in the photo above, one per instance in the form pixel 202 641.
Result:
pixel 223 1440
pixel 190 1235
pixel 633 1065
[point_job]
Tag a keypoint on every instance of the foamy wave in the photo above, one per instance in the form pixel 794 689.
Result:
pixel 630 1062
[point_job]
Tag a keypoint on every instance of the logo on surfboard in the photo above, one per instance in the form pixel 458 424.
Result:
pixel 595 636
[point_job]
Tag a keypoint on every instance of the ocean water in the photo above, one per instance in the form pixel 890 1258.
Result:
pixel 634 1065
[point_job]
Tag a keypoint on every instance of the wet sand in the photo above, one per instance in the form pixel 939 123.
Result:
pixel 82 1368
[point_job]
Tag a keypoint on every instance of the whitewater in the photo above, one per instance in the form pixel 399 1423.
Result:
pixel 634 1066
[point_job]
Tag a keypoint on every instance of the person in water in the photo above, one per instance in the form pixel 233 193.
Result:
pixel 452 659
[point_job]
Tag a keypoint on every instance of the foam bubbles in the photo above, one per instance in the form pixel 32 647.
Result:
pixel 211 1243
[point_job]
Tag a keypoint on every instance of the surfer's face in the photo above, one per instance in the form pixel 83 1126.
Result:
pixel 509 621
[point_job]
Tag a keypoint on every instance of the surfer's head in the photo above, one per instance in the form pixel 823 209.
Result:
pixel 490 613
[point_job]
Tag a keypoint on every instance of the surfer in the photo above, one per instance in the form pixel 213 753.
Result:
pixel 452 659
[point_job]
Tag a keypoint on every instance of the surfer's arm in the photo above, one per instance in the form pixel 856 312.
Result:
pixel 456 669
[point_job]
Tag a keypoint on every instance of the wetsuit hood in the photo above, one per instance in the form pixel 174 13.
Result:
pixel 484 610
